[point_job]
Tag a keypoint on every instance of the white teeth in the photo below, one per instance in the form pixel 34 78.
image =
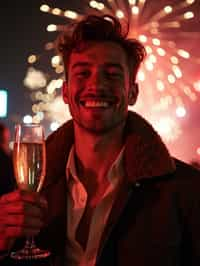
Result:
pixel 96 104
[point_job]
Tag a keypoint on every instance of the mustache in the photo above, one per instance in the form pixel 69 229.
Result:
pixel 99 97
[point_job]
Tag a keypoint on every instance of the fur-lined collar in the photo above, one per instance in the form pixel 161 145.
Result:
pixel 145 154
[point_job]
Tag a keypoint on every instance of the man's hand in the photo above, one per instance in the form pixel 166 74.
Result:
pixel 21 214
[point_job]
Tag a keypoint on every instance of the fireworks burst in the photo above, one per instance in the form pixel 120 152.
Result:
pixel 169 79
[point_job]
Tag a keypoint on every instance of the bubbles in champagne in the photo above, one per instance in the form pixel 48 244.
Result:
pixel 29 165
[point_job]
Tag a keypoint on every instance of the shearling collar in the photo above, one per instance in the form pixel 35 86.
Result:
pixel 145 154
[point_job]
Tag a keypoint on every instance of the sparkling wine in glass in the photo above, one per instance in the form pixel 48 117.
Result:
pixel 29 157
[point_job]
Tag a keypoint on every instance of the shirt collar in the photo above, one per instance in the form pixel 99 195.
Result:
pixel 115 172
pixel 71 166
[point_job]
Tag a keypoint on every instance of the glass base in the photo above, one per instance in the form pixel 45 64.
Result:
pixel 33 253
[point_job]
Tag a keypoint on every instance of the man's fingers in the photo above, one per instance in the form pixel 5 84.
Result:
pixel 22 213
pixel 29 197
pixel 9 197
pixel 16 231
pixel 22 207
pixel 23 221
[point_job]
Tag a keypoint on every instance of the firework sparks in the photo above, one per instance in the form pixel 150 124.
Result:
pixel 164 78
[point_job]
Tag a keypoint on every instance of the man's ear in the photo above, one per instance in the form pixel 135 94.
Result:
pixel 65 92
pixel 133 94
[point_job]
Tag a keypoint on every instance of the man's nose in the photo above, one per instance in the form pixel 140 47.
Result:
pixel 97 81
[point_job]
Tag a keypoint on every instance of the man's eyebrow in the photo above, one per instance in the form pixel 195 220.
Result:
pixel 80 64
pixel 87 64
pixel 115 65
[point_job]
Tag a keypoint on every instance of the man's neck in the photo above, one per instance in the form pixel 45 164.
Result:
pixel 96 153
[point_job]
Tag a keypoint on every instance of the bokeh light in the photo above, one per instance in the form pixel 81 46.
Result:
pixel 27 119
pixel 198 151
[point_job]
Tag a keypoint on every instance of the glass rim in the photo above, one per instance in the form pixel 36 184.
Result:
pixel 28 125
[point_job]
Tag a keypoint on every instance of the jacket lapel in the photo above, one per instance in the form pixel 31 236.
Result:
pixel 145 157
pixel 116 211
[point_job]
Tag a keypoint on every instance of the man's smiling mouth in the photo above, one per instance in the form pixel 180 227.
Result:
pixel 94 103
pixel 98 103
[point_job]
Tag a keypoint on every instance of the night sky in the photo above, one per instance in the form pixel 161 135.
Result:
pixel 23 31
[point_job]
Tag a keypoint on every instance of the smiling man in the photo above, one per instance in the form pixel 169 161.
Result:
pixel 98 88
pixel 115 195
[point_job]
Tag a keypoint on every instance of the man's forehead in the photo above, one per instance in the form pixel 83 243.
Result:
pixel 104 51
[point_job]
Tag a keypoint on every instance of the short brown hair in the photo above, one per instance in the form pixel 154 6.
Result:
pixel 100 28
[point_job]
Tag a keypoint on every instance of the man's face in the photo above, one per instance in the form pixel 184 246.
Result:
pixel 98 87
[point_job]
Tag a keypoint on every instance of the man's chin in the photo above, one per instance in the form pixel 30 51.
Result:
pixel 99 130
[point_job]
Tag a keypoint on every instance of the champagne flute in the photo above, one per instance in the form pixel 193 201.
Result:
pixel 29 156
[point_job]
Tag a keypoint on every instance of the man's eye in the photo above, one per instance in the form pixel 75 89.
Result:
pixel 83 73
pixel 114 74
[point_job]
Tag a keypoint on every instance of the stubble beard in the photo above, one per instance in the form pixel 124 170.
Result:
pixel 104 128
pixel 99 130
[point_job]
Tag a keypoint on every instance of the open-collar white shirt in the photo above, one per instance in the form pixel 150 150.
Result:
pixel 76 204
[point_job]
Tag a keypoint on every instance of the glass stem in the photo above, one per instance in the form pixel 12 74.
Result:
pixel 30 243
